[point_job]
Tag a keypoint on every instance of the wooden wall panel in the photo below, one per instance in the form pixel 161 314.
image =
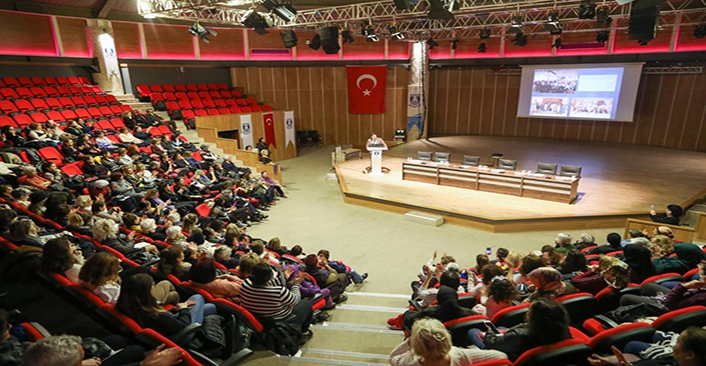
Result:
pixel 168 42
pixel 73 37
pixel 227 46
pixel 669 110
pixel 318 97
pixel 269 41
pixel 362 50
pixel 26 34
pixel 127 40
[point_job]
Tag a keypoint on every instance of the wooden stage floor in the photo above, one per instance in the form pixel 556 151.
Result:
pixel 618 181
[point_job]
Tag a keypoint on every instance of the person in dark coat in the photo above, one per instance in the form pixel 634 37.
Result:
pixel 670 216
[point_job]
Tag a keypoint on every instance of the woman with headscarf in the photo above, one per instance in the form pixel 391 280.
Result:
pixel 639 259
pixel 548 283
pixel 663 299
pixel 614 244
pixel 691 255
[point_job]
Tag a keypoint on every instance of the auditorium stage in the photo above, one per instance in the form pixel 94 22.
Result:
pixel 618 181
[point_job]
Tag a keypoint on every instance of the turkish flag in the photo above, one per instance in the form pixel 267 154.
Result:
pixel 366 89
pixel 268 119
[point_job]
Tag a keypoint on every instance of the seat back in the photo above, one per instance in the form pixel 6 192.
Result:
pixel 579 306
pixel 546 168
pixel 570 171
pixel 442 156
pixel 471 160
pixel 511 316
pixel 424 155
pixel 620 336
pixel 678 320
pixel 568 352
pixel 507 164
pixel 459 328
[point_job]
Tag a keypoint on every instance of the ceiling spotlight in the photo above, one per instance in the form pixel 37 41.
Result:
pixel 442 9
pixel 482 48
pixel 587 9
pixel 553 26
pixel 454 44
pixel 484 33
pixel 520 40
pixel 369 33
pixel 603 18
pixel 517 19
pixel 700 31
pixel 557 43
pixel 284 10
pixel 346 35
pixel 431 43
pixel 314 43
pixel 253 19
pixel 198 30
pixel 395 34
pixel 289 38
pixel 602 36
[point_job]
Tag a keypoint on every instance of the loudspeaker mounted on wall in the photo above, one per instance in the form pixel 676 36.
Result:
pixel 643 23
pixel 289 38
pixel 329 40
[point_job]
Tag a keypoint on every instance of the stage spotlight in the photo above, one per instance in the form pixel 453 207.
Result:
pixel 369 33
pixel 315 43
pixel 603 18
pixel 482 48
pixel 553 26
pixel 289 38
pixel 346 35
pixel 520 40
pixel 454 44
pixel 517 19
pixel 557 43
pixel 431 43
pixel 253 19
pixel 485 33
pixel 198 30
pixel 395 34
pixel 283 10
pixel 587 10
pixel 700 31
pixel 602 36
pixel 442 9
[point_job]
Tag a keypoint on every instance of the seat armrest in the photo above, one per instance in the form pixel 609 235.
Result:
pixel 606 322
pixel 180 336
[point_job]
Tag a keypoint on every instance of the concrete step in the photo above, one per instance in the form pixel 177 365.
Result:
pixel 138 105
pixel 424 218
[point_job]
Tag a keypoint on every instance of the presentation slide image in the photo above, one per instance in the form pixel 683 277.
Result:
pixel 555 81
pixel 601 108
pixel 549 106
pixel 598 83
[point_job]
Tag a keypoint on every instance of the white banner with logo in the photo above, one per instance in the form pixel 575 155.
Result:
pixel 415 112
pixel 246 131
pixel 111 60
pixel 289 132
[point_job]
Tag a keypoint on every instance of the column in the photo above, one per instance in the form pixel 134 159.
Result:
pixel 417 90
pixel 100 33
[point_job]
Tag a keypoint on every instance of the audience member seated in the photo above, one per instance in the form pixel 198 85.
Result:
pixel 478 285
pixel 586 241
pixel 551 256
pixel 59 256
pixel 573 264
pixel 340 267
pixel 430 344
pixel 614 244
pixel 499 295
pixel 670 216
pixel 638 258
pixel 327 277
pixel 547 323
pixel 548 283
pixel 662 249
pixel 203 275
pixel 681 296
pixel 25 232
pixel 106 233
pixel 447 308
pixel 563 243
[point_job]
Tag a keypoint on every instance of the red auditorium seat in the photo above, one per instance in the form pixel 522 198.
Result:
pixel 38 117
pixel 193 95
pixel 23 105
pixel 62 80
pixel 125 107
pixel 181 95
pixel 38 81
pixel 63 91
pixel 75 90
pixel 213 112
pixel 7 121
pixel 72 169
pixel 87 90
pixel 172 106
pixel 235 110
pixel 223 86
pixel 208 103
pixel 82 113
pixel 459 328
pixel 191 87
pixel 185 104
pixel 9 93
pixel 11 82
pixel 664 277
pixel 91 100
pixel 56 116
pixel 117 111
pixel 50 80
pixel 226 94
pixel 102 100
pixel 104 125
pixel 236 93
pixel 25 81
pixel 568 352
pixel 188 114
pixel 200 112
pixel 112 99
pixel 256 108
pixel 168 88
pixel 246 109
pixel 74 80
pixel 143 91
pixel 678 320
pixel 266 107
pixel 66 102
pixel 7 107
pixel 180 88
pixel 220 103
pixel 51 91
pixel 68 115
pixel 84 80
pixel 212 86
pixel 251 101
pixel 204 95
pixel 2 84
pixel 38 92
pixel 96 89
pixel 79 101
pixel 105 111
pixel 241 101
pixel 50 153
pixel 620 336
pixel 224 110
pixel 24 92
pixel 156 88
pixel 510 316
pixel 167 96
pixel 53 103
pixel 22 120
pixel 117 123
pixel 202 87
pixel 156 97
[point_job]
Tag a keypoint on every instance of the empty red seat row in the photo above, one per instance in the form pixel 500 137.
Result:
pixel 50 91
pixel 39 81
pixel 146 90
pixel 66 115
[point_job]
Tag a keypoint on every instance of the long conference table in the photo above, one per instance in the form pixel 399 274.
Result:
pixel 540 186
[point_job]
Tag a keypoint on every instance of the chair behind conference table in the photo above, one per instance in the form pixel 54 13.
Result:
pixel 570 171
pixel 442 157
pixel 546 168
pixel 471 160
pixel 507 164
pixel 424 155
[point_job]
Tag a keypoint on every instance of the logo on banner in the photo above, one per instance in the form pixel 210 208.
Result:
pixel 289 123
pixel 247 128
pixel 363 77
pixel 268 121
pixel 414 100
pixel 109 52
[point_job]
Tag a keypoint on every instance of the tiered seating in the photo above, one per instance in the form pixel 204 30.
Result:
pixel 187 101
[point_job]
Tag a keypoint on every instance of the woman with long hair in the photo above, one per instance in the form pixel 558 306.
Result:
pixel 137 301
pixel 171 262
pixel 498 295
pixel 546 323
pixel 59 256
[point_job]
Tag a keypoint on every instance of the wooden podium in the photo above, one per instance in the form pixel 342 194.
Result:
pixel 376 167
